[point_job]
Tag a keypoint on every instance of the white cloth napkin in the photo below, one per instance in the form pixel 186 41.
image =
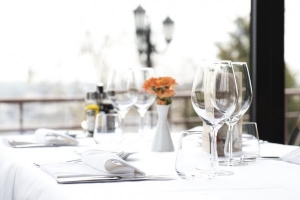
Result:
pixel 94 163
pixel 108 162
pixel 49 136
pixel 293 157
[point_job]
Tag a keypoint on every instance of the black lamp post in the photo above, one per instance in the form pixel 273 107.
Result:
pixel 143 33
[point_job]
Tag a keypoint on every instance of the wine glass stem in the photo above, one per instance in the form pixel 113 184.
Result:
pixel 142 113
pixel 141 125
pixel 213 150
pixel 122 115
pixel 228 148
pixel 230 141
pixel 122 124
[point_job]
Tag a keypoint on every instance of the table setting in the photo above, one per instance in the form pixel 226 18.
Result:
pixel 196 163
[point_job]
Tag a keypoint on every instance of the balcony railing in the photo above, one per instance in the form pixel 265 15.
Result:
pixel 186 116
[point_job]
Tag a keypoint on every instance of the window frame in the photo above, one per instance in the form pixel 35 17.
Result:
pixel 267 68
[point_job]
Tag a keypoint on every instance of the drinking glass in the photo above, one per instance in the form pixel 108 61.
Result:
pixel 122 91
pixel 192 160
pixel 214 98
pixel 250 143
pixel 107 128
pixel 144 99
pixel 244 100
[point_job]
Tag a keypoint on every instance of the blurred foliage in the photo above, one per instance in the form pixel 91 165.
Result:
pixel 290 81
pixel 238 49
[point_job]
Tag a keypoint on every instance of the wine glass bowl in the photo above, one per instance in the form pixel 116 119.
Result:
pixel 144 99
pixel 122 91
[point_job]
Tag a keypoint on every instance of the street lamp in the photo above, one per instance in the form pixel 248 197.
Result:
pixel 143 33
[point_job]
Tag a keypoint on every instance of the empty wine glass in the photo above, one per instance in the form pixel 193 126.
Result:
pixel 214 98
pixel 122 91
pixel 144 99
pixel 244 100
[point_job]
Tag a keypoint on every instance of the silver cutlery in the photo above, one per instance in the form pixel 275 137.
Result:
pixel 19 144
pixel 102 179
pixel 271 157
pixel 124 155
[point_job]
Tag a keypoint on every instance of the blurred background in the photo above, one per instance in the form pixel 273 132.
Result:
pixel 53 52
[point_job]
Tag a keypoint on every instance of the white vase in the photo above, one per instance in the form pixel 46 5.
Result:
pixel 162 141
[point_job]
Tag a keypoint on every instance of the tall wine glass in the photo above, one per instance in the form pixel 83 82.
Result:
pixel 244 100
pixel 122 91
pixel 144 99
pixel 214 98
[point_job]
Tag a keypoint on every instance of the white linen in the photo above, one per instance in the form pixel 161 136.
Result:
pixel 263 179
pixel 49 136
pixel 293 157
pixel 20 180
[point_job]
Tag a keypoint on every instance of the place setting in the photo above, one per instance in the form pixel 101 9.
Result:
pixel 97 166
pixel 221 94
pixel 109 159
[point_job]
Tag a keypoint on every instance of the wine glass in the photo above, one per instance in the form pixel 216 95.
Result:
pixel 122 91
pixel 144 99
pixel 244 100
pixel 214 98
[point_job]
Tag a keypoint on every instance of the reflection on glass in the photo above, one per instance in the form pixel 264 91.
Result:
pixel 122 91
pixel 144 99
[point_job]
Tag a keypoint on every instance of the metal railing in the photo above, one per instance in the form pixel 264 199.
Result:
pixel 181 98
pixel 291 94
pixel 22 101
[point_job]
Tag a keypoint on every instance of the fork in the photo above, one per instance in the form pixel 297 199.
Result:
pixel 124 155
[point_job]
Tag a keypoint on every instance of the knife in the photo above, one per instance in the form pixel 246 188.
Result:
pixel 104 179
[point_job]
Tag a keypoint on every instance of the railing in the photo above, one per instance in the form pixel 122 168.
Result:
pixel 182 99
pixel 294 95
pixel 21 101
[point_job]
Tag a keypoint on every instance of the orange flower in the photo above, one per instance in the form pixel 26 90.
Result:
pixel 165 93
pixel 163 87
pixel 165 82
pixel 148 85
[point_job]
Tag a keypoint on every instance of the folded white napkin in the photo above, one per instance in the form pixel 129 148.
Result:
pixel 49 136
pixel 108 162
pixel 293 157
pixel 94 163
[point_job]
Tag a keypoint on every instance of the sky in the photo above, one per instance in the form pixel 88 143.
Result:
pixel 46 36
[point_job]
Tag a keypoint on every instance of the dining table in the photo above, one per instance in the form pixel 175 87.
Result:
pixel 266 178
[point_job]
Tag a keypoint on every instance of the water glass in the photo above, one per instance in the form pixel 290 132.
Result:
pixel 192 160
pixel 249 141
pixel 108 128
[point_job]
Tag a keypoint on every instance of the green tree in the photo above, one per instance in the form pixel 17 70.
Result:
pixel 238 49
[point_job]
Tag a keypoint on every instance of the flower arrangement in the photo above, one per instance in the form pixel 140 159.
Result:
pixel 163 87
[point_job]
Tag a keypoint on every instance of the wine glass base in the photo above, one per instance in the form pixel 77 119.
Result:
pixel 232 163
pixel 211 173
pixel 224 173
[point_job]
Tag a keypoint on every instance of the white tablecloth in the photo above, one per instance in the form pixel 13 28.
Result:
pixel 264 179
